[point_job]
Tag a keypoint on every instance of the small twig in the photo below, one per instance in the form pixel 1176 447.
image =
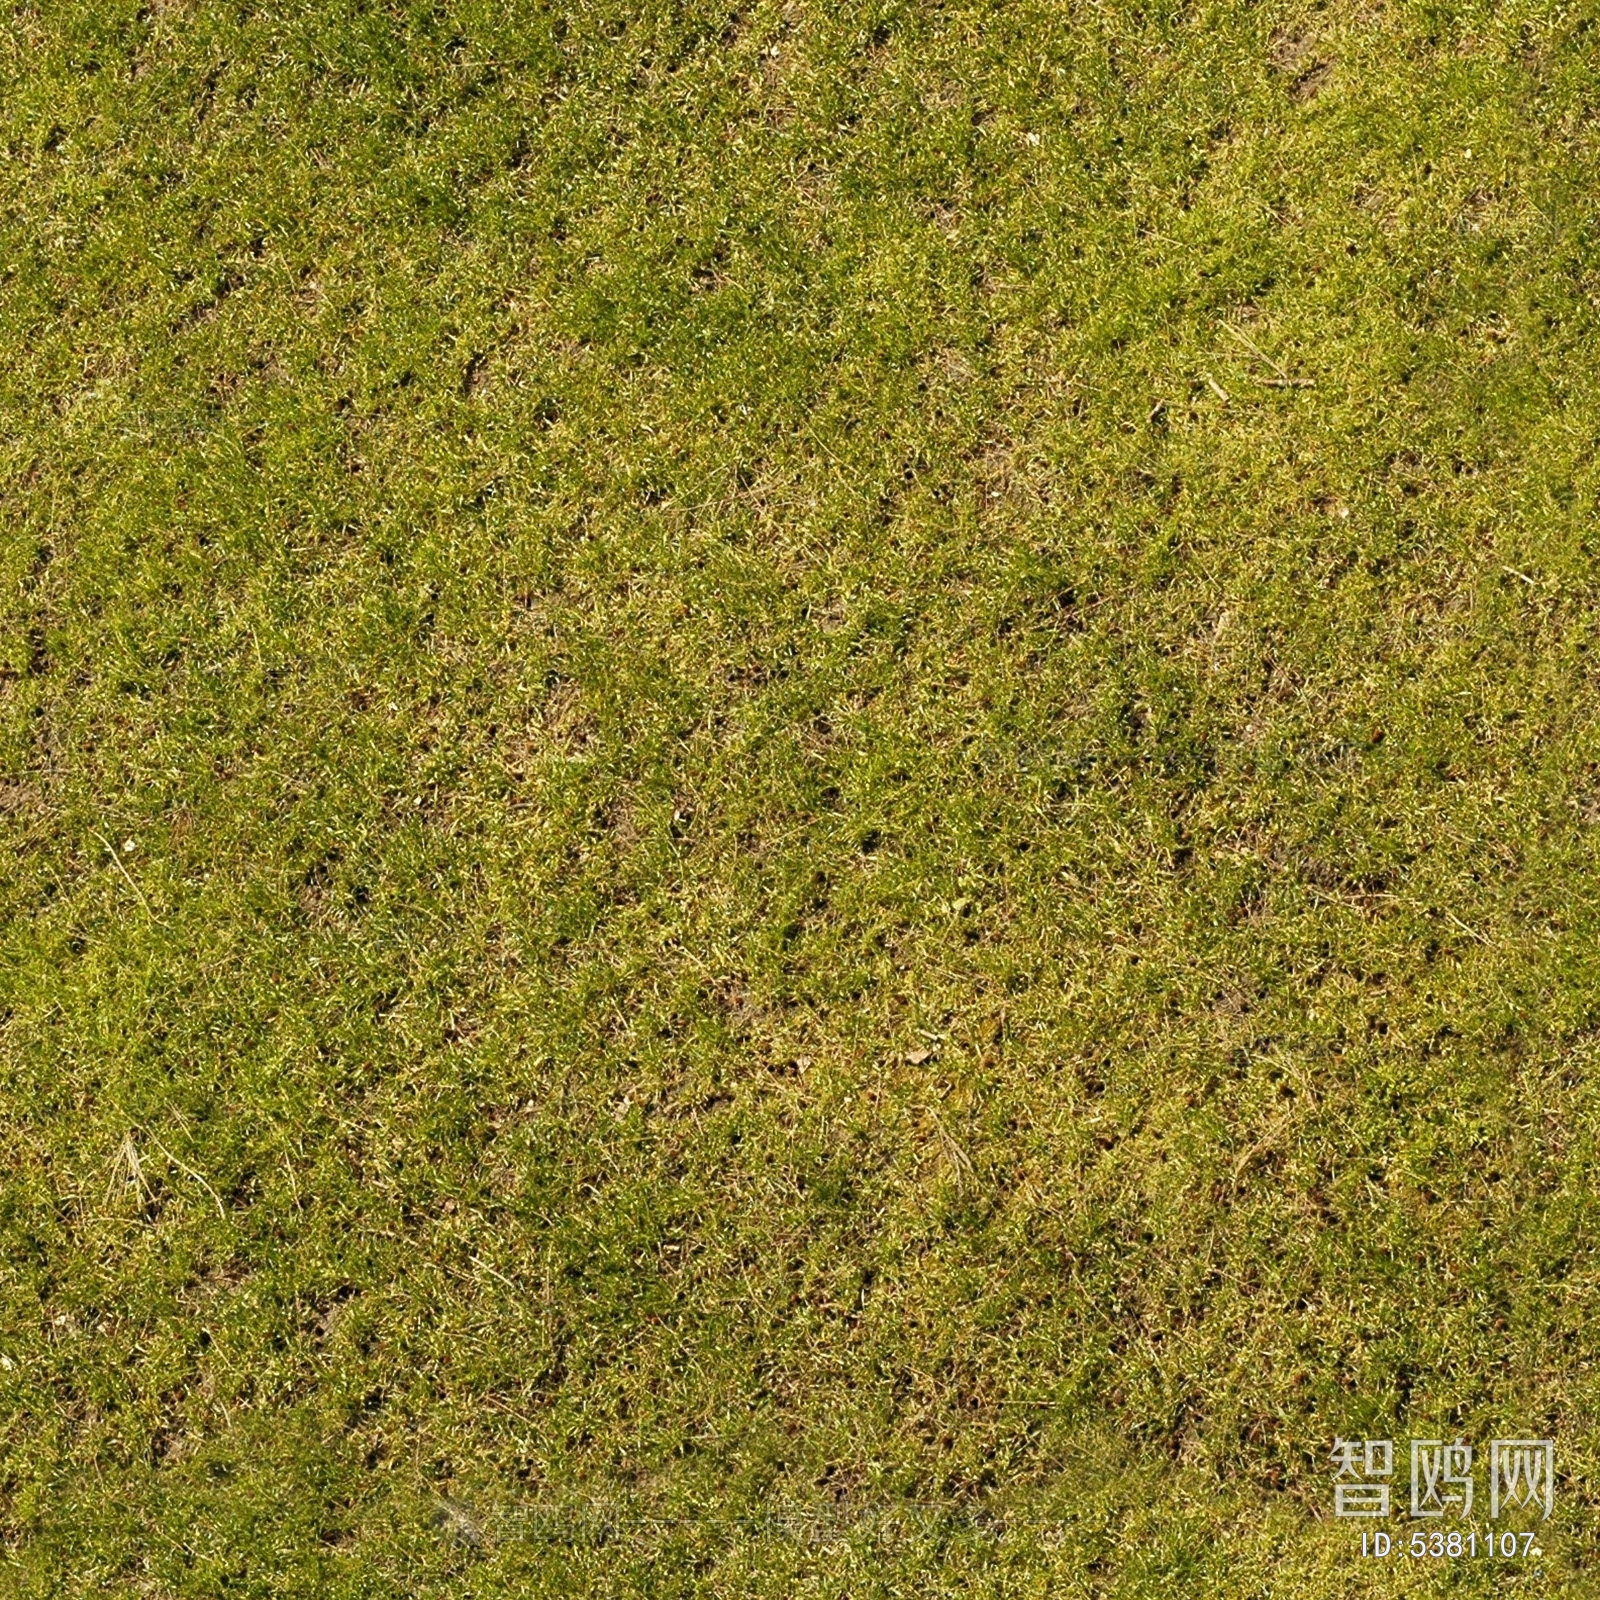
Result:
pixel 1289 383
pixel 1532 583
pixel 1217 389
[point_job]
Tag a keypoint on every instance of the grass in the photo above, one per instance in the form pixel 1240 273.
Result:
pixel 797 799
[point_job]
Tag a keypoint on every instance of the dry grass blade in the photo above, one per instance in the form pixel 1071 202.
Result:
pixel 1283 379
pixel 116 861
pixel 185 1168
pixel 956 1160
pixel 127 1172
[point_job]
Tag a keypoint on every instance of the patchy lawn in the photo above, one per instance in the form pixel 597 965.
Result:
pixel 794 800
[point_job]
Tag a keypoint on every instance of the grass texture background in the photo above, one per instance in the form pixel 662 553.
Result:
pixel 767 763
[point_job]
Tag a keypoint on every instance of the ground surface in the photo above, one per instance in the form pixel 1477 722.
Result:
pixel 794 800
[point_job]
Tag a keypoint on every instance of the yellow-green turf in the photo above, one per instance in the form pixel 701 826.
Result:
pixel 796 798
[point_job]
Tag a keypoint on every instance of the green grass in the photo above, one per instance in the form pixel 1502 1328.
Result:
pixel 791 762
